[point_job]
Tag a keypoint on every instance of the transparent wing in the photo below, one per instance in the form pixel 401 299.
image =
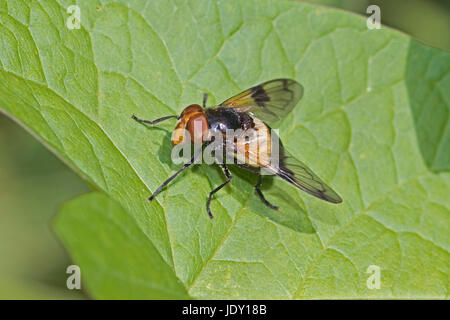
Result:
pixel 297 173
pixel 270 101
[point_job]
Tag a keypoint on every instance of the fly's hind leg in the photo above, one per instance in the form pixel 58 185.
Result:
pixel 258 185
pixel 261 196
pixel 229 177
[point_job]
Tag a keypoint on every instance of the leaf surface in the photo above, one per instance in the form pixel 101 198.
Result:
pixel 119 255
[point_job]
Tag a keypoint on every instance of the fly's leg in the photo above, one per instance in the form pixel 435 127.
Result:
pixel 229 177
pixel 165 183
pixel 260 194
pixel 152 121
pixel 258 185
pixel 205 97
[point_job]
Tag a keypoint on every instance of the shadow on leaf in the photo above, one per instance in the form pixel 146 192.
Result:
pixel 290 214
pixel 428 86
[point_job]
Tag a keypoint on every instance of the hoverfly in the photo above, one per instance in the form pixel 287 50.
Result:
pixel 270 101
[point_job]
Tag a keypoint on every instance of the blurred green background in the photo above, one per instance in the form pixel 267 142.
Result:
pixel 425 20
pixel 34 183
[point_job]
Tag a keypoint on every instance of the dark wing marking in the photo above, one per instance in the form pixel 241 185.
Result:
pixel 270 101
pixel 297 173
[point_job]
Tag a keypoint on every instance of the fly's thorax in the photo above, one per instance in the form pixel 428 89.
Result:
pixel 222 119
pixel 192 125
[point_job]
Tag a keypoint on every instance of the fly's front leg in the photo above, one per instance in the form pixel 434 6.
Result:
pixel 165 183
pixel 152 122
pixel 229 177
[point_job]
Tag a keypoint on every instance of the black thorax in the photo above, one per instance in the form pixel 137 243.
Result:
pixel 222 118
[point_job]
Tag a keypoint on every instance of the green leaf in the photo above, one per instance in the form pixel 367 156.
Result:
pixel 373 123
pixel 120 255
